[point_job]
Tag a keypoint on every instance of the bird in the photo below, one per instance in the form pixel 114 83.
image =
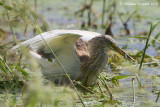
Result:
pixel 82 54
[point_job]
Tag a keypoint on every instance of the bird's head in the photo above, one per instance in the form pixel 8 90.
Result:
pixel 110 44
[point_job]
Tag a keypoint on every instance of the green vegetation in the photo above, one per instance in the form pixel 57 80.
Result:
pixel 135 27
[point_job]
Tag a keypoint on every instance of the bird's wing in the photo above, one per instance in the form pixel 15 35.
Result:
pixel 55 37
pixel 62 42
pixel 58 40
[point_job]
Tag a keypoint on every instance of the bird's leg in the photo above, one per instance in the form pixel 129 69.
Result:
pixel 86 77
pixel 107 88
pixel 109 92
pixel 100 87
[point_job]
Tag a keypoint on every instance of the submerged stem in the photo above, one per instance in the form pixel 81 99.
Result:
pixel 133 87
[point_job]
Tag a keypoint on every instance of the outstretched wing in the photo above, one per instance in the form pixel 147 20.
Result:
pixel 58 40
pixel 62 42
pixel 56 35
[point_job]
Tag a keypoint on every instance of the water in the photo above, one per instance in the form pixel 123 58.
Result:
pixel 60 14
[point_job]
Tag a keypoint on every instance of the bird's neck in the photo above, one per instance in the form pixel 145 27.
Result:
pixel 97 50
pixel 95 64
pixel 98 58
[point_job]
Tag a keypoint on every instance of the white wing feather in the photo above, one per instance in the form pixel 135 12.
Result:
pixel 37 40
pixel 62 43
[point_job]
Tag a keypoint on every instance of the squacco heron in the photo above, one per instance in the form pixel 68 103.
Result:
pixel 83 54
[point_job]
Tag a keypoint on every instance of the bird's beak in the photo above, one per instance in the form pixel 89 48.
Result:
pixel 120 51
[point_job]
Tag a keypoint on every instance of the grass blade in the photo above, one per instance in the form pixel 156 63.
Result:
pixel 153 26
pixel 7 7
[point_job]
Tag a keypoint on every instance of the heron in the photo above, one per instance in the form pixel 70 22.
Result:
pixel 83 54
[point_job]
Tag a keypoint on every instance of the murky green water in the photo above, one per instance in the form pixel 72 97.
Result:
pixel 60 14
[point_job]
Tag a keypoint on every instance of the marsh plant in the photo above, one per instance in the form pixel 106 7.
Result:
pixel 21 83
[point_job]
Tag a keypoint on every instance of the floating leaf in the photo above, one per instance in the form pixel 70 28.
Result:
pixel 120 77
pixel 139 37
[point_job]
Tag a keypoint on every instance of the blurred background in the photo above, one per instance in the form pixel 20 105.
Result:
pixel 127 21
pixel 122 19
